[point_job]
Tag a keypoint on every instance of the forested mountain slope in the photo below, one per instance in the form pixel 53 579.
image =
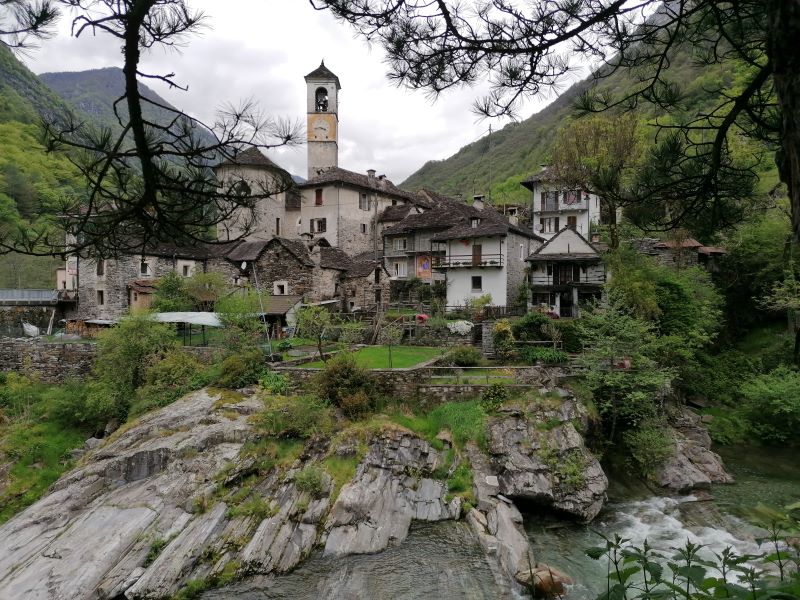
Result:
pixel 518 149
pixel 94 92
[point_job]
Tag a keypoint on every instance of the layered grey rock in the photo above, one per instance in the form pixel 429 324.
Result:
pixel 538 454
pixel 164 483
pixel 392 487
pixel 692 466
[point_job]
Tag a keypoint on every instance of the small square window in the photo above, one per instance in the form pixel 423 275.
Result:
pixel 477 283
pixel 318 197
pixel 101 267
pixel 185 270
pixel 474 223
pixel 101 298
pixel 144 268
pixel 281 291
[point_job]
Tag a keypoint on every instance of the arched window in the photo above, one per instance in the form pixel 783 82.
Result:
pixel 240 188
pixel 321 100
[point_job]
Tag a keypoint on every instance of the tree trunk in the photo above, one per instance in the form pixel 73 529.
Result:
pixel 784 54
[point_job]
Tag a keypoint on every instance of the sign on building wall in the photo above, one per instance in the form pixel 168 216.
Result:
pixel 424 267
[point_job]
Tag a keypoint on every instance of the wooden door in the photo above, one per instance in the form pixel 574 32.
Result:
pixel 477 250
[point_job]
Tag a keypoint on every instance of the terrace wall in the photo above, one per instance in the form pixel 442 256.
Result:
pixel 52 363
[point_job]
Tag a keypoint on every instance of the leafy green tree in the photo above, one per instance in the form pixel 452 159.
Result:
pixel 240 313
pixel 124 353
pixel 171 294
pixel 626 381
pixel 205 289
pixel 314 322
pixel 785 296
pixel 773 405
pixel 601 155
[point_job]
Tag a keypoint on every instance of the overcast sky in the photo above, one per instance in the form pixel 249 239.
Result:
pixel 261 49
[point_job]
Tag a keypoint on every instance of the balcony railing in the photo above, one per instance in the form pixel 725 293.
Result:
pixel 391 249
pixel 468 260
pixel 567 279
pixel 562 206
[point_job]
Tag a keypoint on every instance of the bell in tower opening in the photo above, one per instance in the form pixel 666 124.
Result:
pixel 321 100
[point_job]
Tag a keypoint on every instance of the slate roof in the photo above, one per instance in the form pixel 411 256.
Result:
pixel 537 256
pixel 297 248
pixel 491 223
pixel 398 212
pixel 546 174
pixel 334 258
pixel 687 243
pixel 198 251
pixel 252 157
pixel 280 305
pixel 363 265
pixel 143 286
pixel 378 184
pixel 323 72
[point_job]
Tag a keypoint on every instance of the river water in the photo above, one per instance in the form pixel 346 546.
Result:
pixel 443 561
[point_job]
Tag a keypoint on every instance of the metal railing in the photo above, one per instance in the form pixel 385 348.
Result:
pixel 468 260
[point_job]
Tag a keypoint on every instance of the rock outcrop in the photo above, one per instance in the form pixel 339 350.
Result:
pixel 538 455
pixel 160 503
pixel 693 466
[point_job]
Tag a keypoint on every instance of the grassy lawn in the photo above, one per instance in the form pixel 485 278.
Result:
pixel 377 357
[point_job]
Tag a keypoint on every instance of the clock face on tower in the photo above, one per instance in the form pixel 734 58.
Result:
pixel 321 127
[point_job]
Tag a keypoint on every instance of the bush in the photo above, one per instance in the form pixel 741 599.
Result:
pixel 123 353
pixel 239 370
pixel 295 417
pixel 342 377
pixel 284 346
pixel 464 356
pixel 570 335
pixel 529 327
pixel 356 405
pixel 311 480
pixel 503 338
pixel 548 356
pixel 650 445
pixel 772 404
pixel 274 383
pixel 167 379
pixel 494 396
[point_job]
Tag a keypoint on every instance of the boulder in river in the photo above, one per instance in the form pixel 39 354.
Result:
pixel 693 465
pixel 539 455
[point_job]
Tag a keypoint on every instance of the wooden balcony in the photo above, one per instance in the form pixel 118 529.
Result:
pixel 557 278
pixel 468 261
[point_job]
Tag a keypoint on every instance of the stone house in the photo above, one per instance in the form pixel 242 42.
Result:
pixel 109 288
pixel 407 247
pixel 565 273
pixel 484 253
pixel 553 207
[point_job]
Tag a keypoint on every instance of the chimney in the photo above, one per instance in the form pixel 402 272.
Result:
pixel 477 201
pixel 513 219
pixel 316 254
pixel 371 173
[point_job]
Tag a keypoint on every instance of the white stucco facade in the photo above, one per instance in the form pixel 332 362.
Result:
pixel 554 207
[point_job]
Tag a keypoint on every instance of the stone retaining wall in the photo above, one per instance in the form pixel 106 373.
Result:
pixel 416 383
pixel 53 363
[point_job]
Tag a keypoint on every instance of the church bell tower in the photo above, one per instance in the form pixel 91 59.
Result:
pixel 322 127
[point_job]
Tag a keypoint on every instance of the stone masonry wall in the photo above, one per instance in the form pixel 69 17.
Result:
pixel 52 363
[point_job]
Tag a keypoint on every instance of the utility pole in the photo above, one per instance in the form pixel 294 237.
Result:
pixel 489 194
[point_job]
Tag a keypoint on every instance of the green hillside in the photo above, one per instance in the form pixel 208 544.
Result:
pixel 518 149
pixel 30 179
